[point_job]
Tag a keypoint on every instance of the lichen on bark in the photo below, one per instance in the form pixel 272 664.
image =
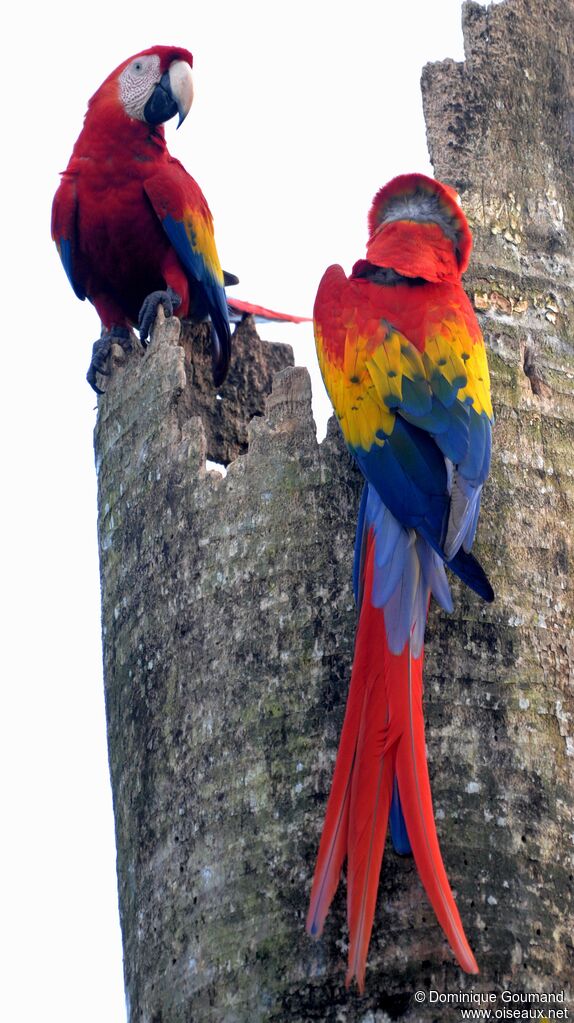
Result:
pixel 228 618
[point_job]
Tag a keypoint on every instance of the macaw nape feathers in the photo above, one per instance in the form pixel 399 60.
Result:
pixel 417 198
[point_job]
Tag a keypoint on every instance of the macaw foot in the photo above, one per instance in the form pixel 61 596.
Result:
pixel 101 350
pixel 168 299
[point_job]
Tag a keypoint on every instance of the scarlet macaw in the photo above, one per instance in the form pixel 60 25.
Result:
pixel 133 229
pixel 404 363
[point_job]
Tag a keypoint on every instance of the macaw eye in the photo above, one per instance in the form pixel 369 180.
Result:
pixel 138 66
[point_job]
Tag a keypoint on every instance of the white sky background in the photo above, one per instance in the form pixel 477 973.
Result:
pixel 302 111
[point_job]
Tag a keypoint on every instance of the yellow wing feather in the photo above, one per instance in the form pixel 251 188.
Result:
pixel 367 383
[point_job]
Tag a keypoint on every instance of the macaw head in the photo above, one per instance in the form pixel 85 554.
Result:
pixel 417 227
pixel 153 86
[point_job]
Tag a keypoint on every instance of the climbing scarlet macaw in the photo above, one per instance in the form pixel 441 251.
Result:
pixel 133 229
pixel 405 366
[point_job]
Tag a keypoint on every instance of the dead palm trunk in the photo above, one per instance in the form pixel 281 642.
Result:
pixel 228 620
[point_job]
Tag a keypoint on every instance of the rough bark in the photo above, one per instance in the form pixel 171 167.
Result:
pixel 226 415
pixel 228 621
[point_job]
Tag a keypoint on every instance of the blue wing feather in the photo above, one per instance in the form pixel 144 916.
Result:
pixel 417 399
pixel 475 464
pixel 64 229
pixel 211 298
pixel 64 246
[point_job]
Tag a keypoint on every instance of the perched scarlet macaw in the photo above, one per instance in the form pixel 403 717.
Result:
pixel 404 363
pixel 133 229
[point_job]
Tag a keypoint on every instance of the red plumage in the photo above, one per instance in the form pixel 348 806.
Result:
pixel 382 737
pixel 441 199
pixel 129 221
pixel 426 253
pixel 240 308
pixel 403 361
pixel 121 252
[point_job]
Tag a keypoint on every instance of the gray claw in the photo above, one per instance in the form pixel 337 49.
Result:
pixel 169 299
pixel 100 353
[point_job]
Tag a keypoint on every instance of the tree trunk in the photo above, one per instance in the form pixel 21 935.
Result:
pixel 228 620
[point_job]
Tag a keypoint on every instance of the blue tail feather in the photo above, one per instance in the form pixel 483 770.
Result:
pixel 359 539
pixel 399 833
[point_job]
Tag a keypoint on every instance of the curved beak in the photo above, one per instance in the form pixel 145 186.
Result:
pixel 181 83
pixel 172 95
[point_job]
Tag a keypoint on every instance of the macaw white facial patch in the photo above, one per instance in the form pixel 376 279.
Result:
pixel 137 82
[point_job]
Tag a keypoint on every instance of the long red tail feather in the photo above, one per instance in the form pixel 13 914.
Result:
pixel 383 735
pixel 240 308
pixel 333 845
pixel 371 794
pixel 416 802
